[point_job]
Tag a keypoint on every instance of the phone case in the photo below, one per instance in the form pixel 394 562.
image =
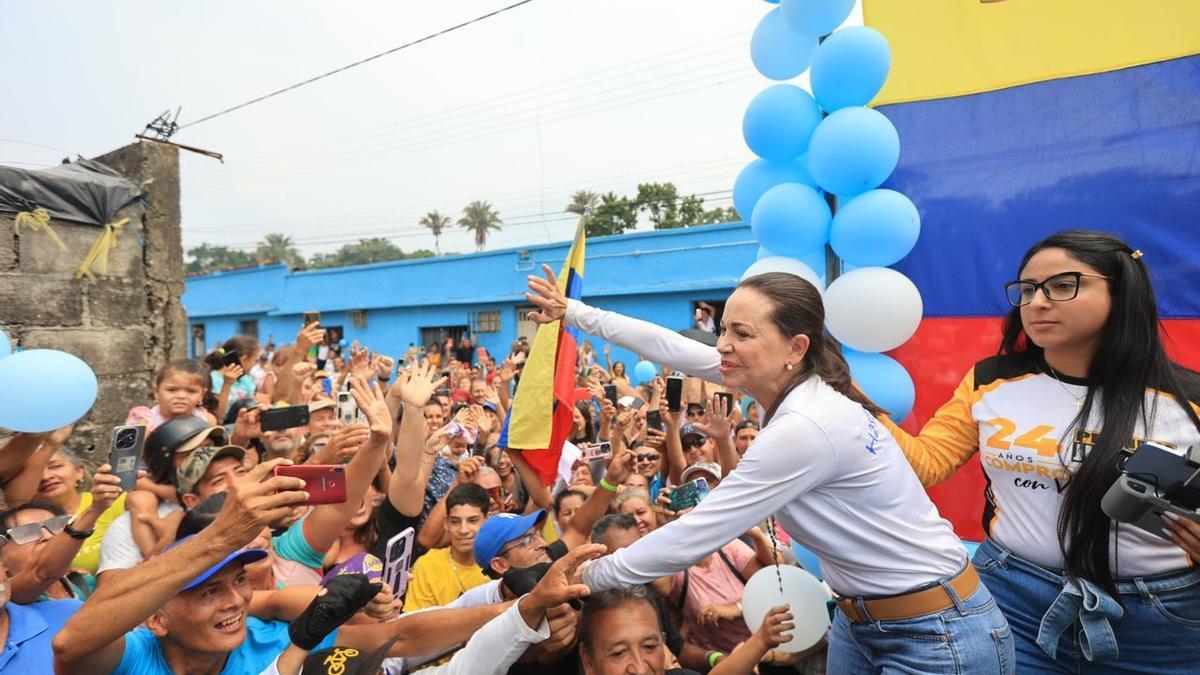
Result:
pixel 126 454
pixel 325 483
pixel 688 495
pixel 278 419
pixel 674 394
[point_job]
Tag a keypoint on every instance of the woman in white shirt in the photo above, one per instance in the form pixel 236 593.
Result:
pixel 908 599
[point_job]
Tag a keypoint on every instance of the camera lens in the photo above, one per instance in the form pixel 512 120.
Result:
pixel 126 438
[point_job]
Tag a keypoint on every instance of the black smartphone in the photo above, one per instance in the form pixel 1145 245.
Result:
pixel 278 419
pixel 674 393
pixel 442 392
pixel 311 316
pixel 654 420
pixel 126 453
pixel 231 358
pixel 727 398
pixel 610 393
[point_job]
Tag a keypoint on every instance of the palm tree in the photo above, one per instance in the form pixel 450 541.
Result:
pixel 436 222
pixel 479 217
pixel 583 202
pixel 276 247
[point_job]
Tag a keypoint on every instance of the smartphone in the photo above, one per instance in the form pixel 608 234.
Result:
pixel 637 404
pixel 610 393
pixel 654 420
pixel 126 453
pixel 398 556
pixel 688 495
pixel 602 450
pixel 674 393
pixel 311 316
pixel 727 398
pixel 444 391
pixel 231 358
pixel 278 419
pixel 325 483
pixel 347 408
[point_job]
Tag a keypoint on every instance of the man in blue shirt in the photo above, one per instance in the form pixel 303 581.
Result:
pixel 194 600
pixel 26 630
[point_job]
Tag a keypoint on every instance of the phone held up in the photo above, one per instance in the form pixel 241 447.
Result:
pixel 278 419
pixel 126 454
pixel 325 483
pixel 688 495
pixel 727 399
pixel 347 408
pixel 674 393
pixel 591 451
pixel 610 393
pixel 311 317
pixel 654 420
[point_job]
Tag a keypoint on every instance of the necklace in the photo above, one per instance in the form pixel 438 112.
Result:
pixel 1078 400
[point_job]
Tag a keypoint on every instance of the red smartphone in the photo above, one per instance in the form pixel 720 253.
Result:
pixel 325 483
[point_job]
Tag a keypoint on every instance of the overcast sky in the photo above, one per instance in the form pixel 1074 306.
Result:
pixel 520 110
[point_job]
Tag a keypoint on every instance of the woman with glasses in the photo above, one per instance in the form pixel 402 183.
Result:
pixel 909 600
pixel 1081 375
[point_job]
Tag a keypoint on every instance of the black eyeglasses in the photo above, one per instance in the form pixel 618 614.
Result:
pixel 31 532
pixel 1058 288
pixel 694 443
pixel 648 457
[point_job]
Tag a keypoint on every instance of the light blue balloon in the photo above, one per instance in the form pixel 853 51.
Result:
pixel 6 347
pixel 777 51
pixel 885 382
pixel 342 343
pixel 850 68
pixel 44 389
pixel 807 559
pixel 791 220
pixel 779 122
pixel 875 229
pixel 644 372
pixel 760 176
pixel 853 150
pixel 815 259
pixel 816 17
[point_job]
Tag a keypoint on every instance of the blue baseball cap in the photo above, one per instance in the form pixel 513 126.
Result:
pixel 499 530
pixel 245 556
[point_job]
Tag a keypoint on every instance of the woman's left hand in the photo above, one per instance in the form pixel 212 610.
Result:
pixel 106 487
pixel 1185 533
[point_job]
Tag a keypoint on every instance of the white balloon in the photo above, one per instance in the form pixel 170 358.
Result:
pixel 784 264
pixel 805 596
pixel 872 309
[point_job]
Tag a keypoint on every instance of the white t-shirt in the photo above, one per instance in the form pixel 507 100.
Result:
pixel 830 472
pixel 118 551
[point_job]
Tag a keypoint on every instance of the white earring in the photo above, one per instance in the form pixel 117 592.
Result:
pixel 789 366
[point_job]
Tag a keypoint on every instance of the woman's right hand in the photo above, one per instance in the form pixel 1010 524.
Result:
pixel 775 629
pixel 544 293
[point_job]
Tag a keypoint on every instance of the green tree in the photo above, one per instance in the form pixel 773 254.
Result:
pixel 276 247
pixel 436 223
pixel 207 258
pixel 720 215
pixel 583 201
pixel 363 252
pixel 613 215
pixel 479 217
pixel 660 202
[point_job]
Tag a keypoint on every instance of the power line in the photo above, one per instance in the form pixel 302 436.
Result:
pixel 360 62
pixel 35 145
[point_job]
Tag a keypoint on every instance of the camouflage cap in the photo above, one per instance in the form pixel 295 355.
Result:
pixel 194 468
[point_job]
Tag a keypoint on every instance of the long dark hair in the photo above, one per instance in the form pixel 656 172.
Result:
pixel 797 309
pixel 1129 360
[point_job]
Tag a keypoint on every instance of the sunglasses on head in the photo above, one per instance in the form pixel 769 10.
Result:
pixel 31 532
pixel 648 457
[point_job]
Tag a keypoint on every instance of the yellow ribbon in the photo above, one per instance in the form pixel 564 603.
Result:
pixel 38 220
pixel 97 258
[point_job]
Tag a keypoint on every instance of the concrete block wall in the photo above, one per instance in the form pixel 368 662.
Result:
pixel 125 324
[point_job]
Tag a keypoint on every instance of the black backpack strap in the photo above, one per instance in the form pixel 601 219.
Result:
pixel 683 588
pixel 732 568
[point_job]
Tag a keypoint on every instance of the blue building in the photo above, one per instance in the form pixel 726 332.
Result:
pixel 658 276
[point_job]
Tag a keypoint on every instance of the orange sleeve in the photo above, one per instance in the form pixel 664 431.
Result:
pixel 946 441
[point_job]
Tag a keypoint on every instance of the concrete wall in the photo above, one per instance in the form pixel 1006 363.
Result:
pixel 124 324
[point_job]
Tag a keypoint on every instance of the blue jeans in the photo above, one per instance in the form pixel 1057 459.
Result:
pixel 971 637
pixel 1068 625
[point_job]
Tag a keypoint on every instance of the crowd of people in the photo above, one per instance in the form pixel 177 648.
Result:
pixel 222 560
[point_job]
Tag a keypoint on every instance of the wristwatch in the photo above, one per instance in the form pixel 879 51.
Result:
pixel 77 534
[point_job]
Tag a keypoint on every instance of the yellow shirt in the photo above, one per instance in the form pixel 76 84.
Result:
pixel 437 580
pixel 88 557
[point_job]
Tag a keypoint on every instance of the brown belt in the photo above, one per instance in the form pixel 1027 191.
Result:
pixel 914 604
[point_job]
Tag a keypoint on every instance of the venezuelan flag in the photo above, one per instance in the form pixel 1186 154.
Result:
pixel 1019 118
pixel 542 416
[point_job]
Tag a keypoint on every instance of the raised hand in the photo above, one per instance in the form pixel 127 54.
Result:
pixel 718 419
pixel 544 294
pixel 105 489
pixel 507 371
pixel 775 629
pixel 344 444
pixel 255 500
pixel 303 369
pixel 620 465
pixel 360 365
pixel 418 383
pixel 557 586
pixel 373 404
pixel 231 373
pixel 247 425
pixel 310 335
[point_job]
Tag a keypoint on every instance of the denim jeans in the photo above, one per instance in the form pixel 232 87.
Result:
pixel 969 638
pixel 1068 625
